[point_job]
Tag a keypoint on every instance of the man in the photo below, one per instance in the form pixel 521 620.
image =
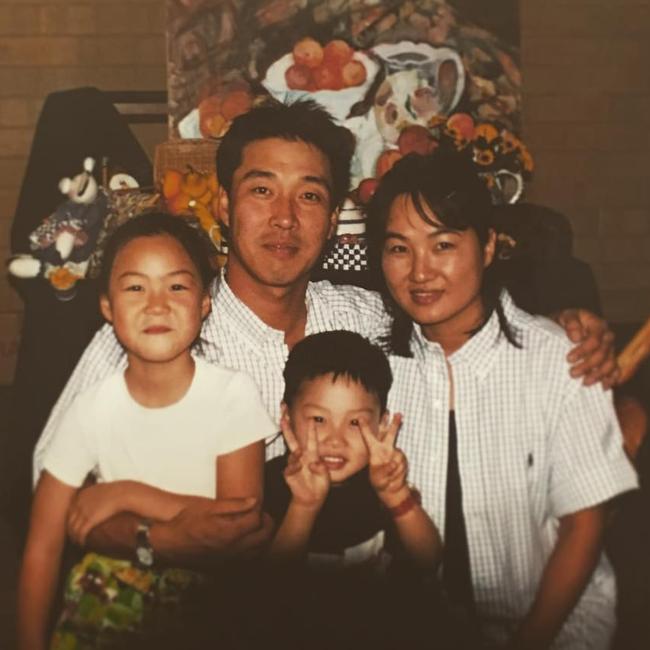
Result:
pixel 284 172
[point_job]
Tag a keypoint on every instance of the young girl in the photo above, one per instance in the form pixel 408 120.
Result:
pixel 515 460
pixel 166 431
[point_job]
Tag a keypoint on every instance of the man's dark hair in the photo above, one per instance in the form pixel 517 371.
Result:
pixel 341 354
pixel 446 184
pixel 191 238
pixel 302 121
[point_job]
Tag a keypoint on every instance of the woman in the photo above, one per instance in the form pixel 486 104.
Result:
pixel 514 458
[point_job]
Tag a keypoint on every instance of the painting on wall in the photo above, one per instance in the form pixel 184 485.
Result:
pixel 402 75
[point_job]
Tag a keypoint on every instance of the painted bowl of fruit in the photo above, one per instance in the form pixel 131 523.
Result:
pixel 334 75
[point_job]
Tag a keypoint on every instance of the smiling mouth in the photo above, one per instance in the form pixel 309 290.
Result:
pixel 157 329
pixel 334 462
pixel 282 248
pixel 422 297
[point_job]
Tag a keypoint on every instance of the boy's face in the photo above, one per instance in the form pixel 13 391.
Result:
pixel 155 300
pixel 336 408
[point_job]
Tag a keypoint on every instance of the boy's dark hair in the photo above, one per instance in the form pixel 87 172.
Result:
pixel 192 239
pixel 447 184
pixel 340 353
pixel 303 121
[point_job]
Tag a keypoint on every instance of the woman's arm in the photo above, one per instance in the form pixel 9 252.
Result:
pixel 565 576
pixel 41 560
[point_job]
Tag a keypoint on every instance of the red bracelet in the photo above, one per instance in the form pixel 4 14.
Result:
pixel 413 499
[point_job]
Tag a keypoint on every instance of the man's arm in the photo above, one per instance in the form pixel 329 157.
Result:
pixel 565 576
pixel 102 356
pixel 593 357
pixel 203 532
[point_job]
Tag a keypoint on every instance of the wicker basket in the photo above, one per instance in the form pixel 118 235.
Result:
pixel 198 154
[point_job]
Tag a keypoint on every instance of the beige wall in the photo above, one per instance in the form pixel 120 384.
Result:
pixel 48 45
pixel 586 67
pixel 587 117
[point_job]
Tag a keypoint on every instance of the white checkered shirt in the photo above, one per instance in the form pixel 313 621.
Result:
pixel 233 336
pixel 533 445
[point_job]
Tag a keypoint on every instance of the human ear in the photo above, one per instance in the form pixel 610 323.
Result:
pixel 224 206
pixel 105 307
pixel 334 221
pixel 489 248
pixel 206 304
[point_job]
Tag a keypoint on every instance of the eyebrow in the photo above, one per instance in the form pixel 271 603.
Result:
pixel 322 408
pixel 444 230
pixel 167 275
pixel 262 173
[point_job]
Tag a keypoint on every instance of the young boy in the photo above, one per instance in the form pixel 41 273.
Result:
pixel 341 497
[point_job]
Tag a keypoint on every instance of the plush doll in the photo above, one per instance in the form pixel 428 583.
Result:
pixel 64 241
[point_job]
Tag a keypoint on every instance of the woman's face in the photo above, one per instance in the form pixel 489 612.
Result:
pixel 434 273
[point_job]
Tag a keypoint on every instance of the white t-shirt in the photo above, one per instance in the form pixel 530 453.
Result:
pixel 173 448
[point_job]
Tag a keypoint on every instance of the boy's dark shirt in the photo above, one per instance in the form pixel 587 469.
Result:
pixel 352 515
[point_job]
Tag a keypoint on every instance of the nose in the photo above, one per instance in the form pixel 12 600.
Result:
pixel 331 435
pixel 284 213
pixel 156 302
pixel 420 268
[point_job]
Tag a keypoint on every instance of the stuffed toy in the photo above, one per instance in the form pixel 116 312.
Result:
pixel 65 240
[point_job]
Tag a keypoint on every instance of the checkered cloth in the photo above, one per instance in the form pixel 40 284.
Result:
pixel 347 255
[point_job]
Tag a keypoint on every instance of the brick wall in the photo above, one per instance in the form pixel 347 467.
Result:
pixel 49 45
pixel 586 67
pixel 586 117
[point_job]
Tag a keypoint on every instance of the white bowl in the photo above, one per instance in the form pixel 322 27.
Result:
pixel 337 102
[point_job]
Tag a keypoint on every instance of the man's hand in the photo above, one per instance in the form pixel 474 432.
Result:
pixel 305 474
pixel 593 358
pixel 388 467
pixel 92 506
pixel 224 527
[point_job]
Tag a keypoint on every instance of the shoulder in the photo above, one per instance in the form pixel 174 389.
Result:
pixel 101 396
pixel 217 377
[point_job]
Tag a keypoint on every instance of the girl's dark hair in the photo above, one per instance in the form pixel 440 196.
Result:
pixel 339 353
pixel 301 121
pixel 192 239
pixel 448 185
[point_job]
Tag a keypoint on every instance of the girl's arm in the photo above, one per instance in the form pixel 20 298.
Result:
pixel 98 503
pixel 241 473
pixel 41 560
pixel 565 576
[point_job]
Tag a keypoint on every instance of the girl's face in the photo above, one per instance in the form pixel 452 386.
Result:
pixel 156 300
pixel 434 273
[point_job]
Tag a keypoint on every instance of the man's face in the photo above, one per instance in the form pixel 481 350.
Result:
pixel 279 213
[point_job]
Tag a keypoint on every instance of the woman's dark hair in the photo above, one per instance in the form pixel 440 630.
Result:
pixel 303 121
pixel 191 238
pixel 446 184
pixel 339 353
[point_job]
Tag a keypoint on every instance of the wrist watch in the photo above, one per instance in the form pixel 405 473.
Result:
pixel 143 548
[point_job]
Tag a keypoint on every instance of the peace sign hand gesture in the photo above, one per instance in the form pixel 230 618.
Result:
pixel 305 474
pixel 388 465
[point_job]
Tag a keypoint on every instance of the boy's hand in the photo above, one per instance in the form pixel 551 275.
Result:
pixel 305 474
pixel 388 465
pixel 92 506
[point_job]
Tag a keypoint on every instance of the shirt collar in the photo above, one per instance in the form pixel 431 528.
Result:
pixel 479 351
pixel 254 330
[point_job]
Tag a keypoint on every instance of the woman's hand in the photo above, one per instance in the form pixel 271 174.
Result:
pixel 593 357
pixel 305 474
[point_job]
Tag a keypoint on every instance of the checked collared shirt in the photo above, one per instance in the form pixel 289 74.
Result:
pixel 533 445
